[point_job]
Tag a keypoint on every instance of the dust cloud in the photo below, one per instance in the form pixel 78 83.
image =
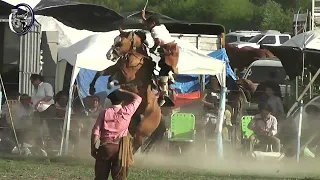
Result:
pixel 233 164
pixel 194 158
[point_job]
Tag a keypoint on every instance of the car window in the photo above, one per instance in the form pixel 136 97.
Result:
pixel 245 39
pixel 283 39
pixel 268 40
pixel 231 38
pixel 256 38
pixel 261 74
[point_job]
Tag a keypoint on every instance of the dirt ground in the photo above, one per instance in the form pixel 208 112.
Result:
pixel 195 160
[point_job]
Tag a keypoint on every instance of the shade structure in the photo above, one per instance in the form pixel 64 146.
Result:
pixel 291 53
pixel 71 13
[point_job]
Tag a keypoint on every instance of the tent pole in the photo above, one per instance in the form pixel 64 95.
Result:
pixel 221 120
pixel 10 114
pixel 310 89
pixel 299 130
pixel 297 88
pixel 303 93
pixel 68 121
pixel 69 110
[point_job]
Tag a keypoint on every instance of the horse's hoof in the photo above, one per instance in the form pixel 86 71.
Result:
pixel 111 85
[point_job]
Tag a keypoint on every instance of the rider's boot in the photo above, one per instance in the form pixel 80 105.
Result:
pixel 171 78
pixel 164 89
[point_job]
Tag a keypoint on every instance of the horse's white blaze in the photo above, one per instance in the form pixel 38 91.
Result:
pixel 112 54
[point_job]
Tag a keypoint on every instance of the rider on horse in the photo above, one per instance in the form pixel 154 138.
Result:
pixel 162 38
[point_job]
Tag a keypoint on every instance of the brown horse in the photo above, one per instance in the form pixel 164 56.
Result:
pixel 134 72
pixel 243 92
pixel 243 57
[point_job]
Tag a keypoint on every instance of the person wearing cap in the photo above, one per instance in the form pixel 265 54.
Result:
pixel 265 127
pixel 210 101
pixel 162 39
pixel 111 129
pixel 94 108
pixel 43 106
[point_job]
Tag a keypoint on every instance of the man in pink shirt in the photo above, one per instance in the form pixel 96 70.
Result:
pixel 111 125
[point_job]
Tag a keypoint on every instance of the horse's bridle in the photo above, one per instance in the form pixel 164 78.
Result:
pixel 132 51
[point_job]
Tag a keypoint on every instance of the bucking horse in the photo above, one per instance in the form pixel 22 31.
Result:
pixel 134 71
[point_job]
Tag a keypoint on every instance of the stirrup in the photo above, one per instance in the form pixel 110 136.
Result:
pixel 162 102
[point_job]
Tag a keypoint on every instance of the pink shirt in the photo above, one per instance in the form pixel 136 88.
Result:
pixel 113 122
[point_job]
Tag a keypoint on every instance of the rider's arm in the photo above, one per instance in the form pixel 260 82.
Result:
pixel 143 15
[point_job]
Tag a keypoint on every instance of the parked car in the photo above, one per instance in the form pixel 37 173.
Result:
pixel 259 71
pixel 270 38
pixel 240 36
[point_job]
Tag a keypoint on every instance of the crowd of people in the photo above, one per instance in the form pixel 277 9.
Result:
pixel 107 126
pixel 32 114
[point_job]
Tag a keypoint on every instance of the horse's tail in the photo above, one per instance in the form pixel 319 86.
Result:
pixel 157 135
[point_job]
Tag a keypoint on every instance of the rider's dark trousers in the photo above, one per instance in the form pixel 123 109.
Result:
pixel 164 68
pixel 265 140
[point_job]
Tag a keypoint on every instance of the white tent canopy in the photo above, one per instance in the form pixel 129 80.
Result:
pixel 310 39
pixel 90 53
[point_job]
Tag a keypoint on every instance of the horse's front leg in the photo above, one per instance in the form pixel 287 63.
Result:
pixel 109 71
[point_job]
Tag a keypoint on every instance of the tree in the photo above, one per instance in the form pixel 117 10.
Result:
pixel 274 17
pixel 233 14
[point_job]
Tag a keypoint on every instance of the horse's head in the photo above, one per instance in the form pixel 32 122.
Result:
pixel 125 43
pixel 248 87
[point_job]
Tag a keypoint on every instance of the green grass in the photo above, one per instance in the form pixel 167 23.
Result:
pixel 12 167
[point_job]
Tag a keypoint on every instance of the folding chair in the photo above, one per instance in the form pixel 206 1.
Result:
pixel 182 129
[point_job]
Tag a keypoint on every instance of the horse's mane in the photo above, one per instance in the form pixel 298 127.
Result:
pixel 140 33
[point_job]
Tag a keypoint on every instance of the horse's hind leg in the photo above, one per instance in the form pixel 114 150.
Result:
pixel 137 142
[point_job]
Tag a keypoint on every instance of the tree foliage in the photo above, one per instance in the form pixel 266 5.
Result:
pixel 274 17
pixel 233 14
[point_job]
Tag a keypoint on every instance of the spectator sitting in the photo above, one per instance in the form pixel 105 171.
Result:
pixel 92 103
pixel 275 103
pixel 264 126
pixel 22 119
pixel 211 109
pixel 61 101
pixel 5 115
pixel 94 106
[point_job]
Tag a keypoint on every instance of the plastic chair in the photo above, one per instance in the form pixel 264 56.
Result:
pixel 245 121
pixel 246 132
pixel 182 128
